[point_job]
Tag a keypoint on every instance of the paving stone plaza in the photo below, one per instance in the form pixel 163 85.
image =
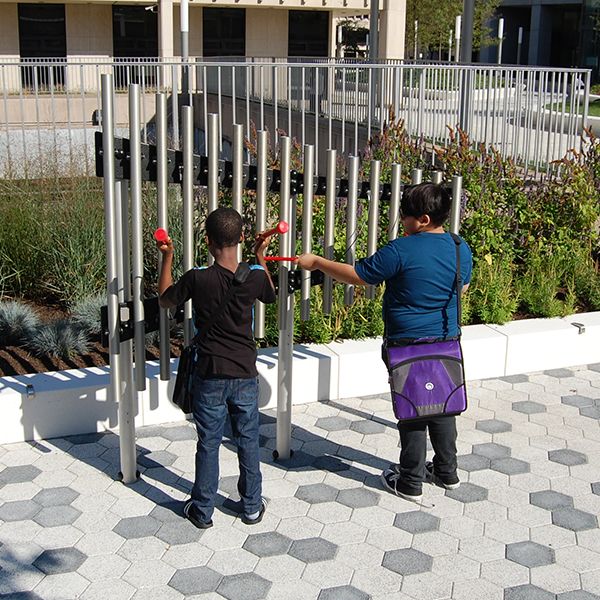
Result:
pixel 522 526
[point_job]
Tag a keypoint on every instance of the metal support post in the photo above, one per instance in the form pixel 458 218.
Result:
pixel 372 235
pixel 307 216
pixel 455 209
pixel 137 245
pixel 162 221
pixel 185 33
pixel 519 45
pixel 330 195
pixel 126 440
pixel 437 177
pixel 286 315
pixel 238 171
pixel 394 214
pixel 187 117
pixel 416 176
pixel 500 38
pixel 351 232
pixel 261 217
pixel 213 162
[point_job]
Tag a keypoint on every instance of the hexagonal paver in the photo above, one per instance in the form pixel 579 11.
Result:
pixel 245 586
pixel 593 412
pixel 528 407
pixel 407 561
pixel 417 521
pixel 468 492
pixel 19 510
pixel 567 457
pixel 510 466
pixel 267 544
pixel 577 595
pixel 136 527
pixel 178 532
pixel 330 463
pixel 313 550
pixel 54 516
pixel 333 423
pixel 358 498
pixel 168 511
pixel 527 592
pixel 596 488
pixel 342 592
pixel 85 438
pixel 559 373
pixel 530 554
pixel 59 560
pixel 577 401
pixel 55 496
pixel 473 462
pixel 550 499
pixel 491 450
pixel 493 426
pixel 514 378
pixel 178 434
pixel 316 493
pixel 19 474
pixel 195 580
pixel 367 427
pixel 157 459
pixel 574 519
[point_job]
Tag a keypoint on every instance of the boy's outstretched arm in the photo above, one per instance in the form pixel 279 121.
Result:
pixel 339 271
pixel 165 277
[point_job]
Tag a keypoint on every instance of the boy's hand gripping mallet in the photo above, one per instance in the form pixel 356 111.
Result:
pixel 282 227
pixel 161 235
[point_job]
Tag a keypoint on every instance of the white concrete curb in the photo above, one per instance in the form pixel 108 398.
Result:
pixel 48 405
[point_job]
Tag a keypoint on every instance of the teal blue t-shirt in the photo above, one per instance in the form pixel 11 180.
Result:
pixel 419 271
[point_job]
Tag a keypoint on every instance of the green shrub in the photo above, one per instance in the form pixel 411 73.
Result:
pixel 18 322
pixel 61 339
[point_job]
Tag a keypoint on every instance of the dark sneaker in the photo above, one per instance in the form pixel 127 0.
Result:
pixel 394 484
pixel 449 482
pixel 253 521
pixel 190 512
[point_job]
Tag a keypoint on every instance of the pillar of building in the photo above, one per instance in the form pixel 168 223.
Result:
pixel 540 36
pixel 392 25
pixel 165 28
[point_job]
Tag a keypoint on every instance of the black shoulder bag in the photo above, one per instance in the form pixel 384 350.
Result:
pixel 182 390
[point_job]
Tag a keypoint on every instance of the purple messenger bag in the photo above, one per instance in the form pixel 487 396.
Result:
pixel 427 379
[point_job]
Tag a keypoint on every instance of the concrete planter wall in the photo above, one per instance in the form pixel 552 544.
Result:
pixel 47 405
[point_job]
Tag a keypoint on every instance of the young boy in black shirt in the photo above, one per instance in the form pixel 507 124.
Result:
pixel 225 379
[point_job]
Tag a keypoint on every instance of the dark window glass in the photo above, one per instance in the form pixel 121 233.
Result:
pixel 135 32
pixel 308 33
pixel 224 32
pixel 42 34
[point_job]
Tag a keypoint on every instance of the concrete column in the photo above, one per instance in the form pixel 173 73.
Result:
pixel 540 36
pixel 165 28
pixel 9 48
pixel 392 25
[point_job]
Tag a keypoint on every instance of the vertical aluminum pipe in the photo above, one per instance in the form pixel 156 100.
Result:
pixel 372 235
pixel 126 438
pixel 162 183
pixel 137 242
pixel 187 117
pixel 261 216
pixel 328 241
pixel 437 177
pixel 213 166
pixel 394 214
pixel 416 176
pixel 351 232
pixel 307 216
pixel 238 172
pixel 286 315
pixel 455 210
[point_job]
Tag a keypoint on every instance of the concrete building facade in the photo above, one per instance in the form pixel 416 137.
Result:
pixel 103 30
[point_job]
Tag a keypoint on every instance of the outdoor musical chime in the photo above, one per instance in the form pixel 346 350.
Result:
pixel 125 163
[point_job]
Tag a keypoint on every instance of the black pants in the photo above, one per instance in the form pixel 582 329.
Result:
pixel 413 441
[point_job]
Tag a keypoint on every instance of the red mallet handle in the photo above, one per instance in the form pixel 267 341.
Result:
pixel 282 227
pixel 281 258
pixel 161 235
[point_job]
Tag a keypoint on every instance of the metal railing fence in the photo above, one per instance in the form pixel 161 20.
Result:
pixel 49 109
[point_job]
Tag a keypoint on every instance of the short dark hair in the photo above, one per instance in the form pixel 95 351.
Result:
pixel 224 227
pixel 426 199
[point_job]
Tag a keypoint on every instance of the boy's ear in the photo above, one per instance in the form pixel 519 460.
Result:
pixel 242 238
pixel 424 220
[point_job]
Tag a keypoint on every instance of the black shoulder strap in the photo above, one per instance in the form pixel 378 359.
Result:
pixel 457 243
pixel 239 277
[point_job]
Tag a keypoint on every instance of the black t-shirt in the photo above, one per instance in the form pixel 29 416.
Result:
pixel 229 349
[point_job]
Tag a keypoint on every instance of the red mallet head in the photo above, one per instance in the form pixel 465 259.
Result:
pixel 161 235
pixel 282 227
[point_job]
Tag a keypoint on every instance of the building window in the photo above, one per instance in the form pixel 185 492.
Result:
pixel 308 33
pixel 224 32
pixel 135 36
pixel 42 34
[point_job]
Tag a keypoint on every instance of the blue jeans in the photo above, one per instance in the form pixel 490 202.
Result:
pixel 214 399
